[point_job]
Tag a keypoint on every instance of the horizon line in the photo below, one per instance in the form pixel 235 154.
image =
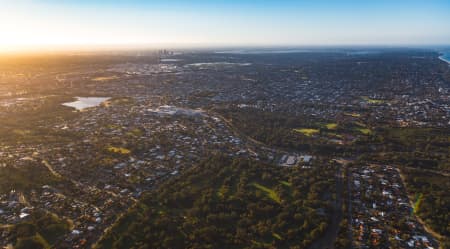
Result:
pixel 84 48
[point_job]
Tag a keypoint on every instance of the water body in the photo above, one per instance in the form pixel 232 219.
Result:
pixel 214 64
pixel 86 102
pixel 353 52
pixel 263 51
pixel 170 60
pixel 445 56
pixel 363 52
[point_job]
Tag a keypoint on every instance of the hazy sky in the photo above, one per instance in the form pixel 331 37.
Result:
pixel 86 23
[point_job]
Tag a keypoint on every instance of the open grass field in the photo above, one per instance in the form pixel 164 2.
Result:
pixel 364 131
pixel 373 101
pixel 307 131
pixel 331 126
pixel 269 192
pixel 119 150
pixel 104 78
pixel 226 203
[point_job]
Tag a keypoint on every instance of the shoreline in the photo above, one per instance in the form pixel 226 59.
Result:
pixel 441 57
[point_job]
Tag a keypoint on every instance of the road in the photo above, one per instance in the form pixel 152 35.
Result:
pixel 50 168
pixel 331 233
pixel 249 140
pixel 427 228
pixel 327 240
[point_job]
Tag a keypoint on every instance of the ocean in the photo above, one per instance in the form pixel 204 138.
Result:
pixel 445 56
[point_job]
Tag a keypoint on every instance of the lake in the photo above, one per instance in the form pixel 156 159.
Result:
pixel 86 102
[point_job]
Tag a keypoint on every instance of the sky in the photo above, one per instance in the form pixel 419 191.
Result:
pixel 76 24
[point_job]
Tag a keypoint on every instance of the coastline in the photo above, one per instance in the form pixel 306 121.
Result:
pixel 442 58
